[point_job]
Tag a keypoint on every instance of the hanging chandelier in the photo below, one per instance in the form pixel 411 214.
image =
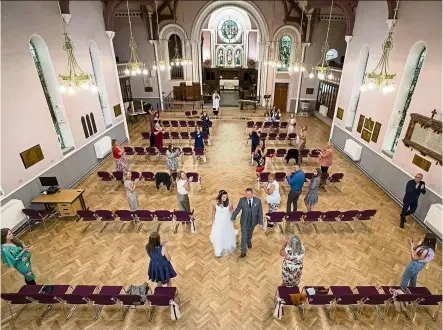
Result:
pixel 160 64
pixel 134 66
pixel 270 61
pixel 380 78
pixel 298 64
pixel 74 78
pixel 322 69
pixel 177 60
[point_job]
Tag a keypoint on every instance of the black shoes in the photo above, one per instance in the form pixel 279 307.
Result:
pixel 242 255
pixel 402 225
pixel 249 245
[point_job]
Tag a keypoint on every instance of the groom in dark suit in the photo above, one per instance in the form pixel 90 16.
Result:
pixel 252 214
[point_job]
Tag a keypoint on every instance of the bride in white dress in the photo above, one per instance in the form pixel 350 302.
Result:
pixel 223 236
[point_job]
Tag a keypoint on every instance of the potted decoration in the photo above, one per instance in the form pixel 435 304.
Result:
pixel 251 64
pixel 207 63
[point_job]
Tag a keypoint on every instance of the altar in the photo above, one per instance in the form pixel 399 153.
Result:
pixel 229 92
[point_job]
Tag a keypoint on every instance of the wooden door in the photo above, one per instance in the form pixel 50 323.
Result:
pixel 281 96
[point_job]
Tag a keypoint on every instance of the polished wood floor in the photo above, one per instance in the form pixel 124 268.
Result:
pixel 227 293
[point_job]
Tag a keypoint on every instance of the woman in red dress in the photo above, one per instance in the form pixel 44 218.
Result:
pixel 121 163
pixel 158 133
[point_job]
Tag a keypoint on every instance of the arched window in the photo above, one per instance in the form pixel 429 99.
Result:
pixel 331 54
pixel 88 122
pixel 45 70
pixel 93 122
pixel 100 81
pixel 85 129
pixel 285 48
pixel 355 96
pixel 406 90
pixel 175 52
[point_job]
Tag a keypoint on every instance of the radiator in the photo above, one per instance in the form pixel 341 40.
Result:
pixel 353 150
pixel 103 147
pixel 11 214
pixel 433 218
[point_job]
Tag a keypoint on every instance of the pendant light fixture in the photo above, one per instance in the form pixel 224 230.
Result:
pixel 270 61
pixel 134 66
pixel 380 78
pixel 322 69
pixel 74 78
pixel 298 64
pixel 160 64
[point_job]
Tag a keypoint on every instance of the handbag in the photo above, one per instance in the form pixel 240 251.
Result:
pixel 175 310
pixel 298 298
pixel 139 290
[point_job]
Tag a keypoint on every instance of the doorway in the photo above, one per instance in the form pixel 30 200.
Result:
pixel 281 96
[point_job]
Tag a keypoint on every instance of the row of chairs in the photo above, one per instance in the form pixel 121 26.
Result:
pixel 267 125
pixel 303 154
pixel 334 179
pixel 190 125
pixel 150 153
pixel 361 296
pixel 116 177
pixel 276 138
pixel 137 218
pixel 314 217
pixel 93 296
pixel 177 137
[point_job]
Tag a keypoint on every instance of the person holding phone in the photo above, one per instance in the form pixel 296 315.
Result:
pixel 160 268
pixel 131 194
pixel 414 188
pixel 183 188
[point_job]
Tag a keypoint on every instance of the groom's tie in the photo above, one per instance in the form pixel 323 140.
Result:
pixel 250 203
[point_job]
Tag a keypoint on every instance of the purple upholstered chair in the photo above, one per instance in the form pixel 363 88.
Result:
pixel 280 177
pixel 195 177
pixel 330 217
pixel 185 137
pixel 129 151
pixel 295 217
pixel 144 216
pixel 280 153
pixel 118 175
pixel 349 216
pixel 183 124
pixel 47 299
pixel 161 298
pixel 291 137
pixel 182 217
pixel 187 151
pixel 106 297
pixel 125 216
pixel 344 296
pixel 336 179
pixel 267 125
pixel 194 113
pixel 259 124
pixel 318 299
pixel 19 298
pixel 175 138
pixel 86 216
pixel 151 152
pixel 284 293
pixel 39 216
pixel 191 125
pixel 282 137
pixel 77 297
pixel 146 136
pixel 262 178
pixel 140 152
pixel 277 218
pixel 163 216
pixel 249 126
pixel 162 152
pixel 106 216
pixel 199 153
pixel 272 137
pixel 427 299
pixel 135 175
pixel 303 154
pixel 284 125
pixel 263 136
pixel 128 301
pixel 314 153
pixel 371 297
pixel 366 215
pixel 408 299
pixel 312 217
pixel 308 176
pixel 188 114
pixel 175 125
pixel 166 124
pixel 105 177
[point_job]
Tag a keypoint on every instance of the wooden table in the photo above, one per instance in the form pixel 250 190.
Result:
pixel 68 201
pixel 245 103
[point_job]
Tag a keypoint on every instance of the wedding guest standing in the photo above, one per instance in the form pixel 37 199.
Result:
pixel 276 116
pixel 414 188
pixel 302 137
pixel 16 254
pixel 183 188
pixel 291 124
pixel 296 179
pixel 198 138
pixel 160 268
pixel 205 123
pixel 293 252
pixel 259 159
pixel 121 163
pixel 311 197
pixel 326 158
pixel 131 194
pixel 421 254
pixel 272 190
pixel 158 132
pixel 171 158
pixel 255 139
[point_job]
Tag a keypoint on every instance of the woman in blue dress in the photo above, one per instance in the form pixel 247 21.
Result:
pixel 198 136
pixel 160 268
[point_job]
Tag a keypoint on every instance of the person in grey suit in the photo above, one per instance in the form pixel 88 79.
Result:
pixel 252 214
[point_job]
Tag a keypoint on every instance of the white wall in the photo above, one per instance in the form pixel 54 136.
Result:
pixel 418 21
pixel 26 120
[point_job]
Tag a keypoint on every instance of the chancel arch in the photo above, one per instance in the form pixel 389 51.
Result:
pixel 404 96
pixel 359 78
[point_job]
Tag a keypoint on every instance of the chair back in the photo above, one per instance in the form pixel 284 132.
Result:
pixel 250 124
pixel 263 176
pixel 292 136
pixel 259 124
pixel 32 214
pixel 304 153
pixel 15 298
pixel 118 175
pixel 294 216
pixel 377 299
pixel 184 135
pixel 182 216
pixel 282 135
pixel 407 297
pixel 191 123
pixel 281 152
pixel 183 123
pixel 105 176
pixel 124 215
pixel 105 214
pixel 199 151
pixel 163 215
pixel 175 135
pixel 195 176
pixel 309 176
pixel 336 177
pixel 187 151
pixel 144 215
pixel 139 150
pixel 148 176
pixel 432 300
pixel 349 299
pixel 43 298
pixel 158 301
pixel 174 123
pixel 331 215
pixel 165 123
pixel 367 214
pixel 283 124
pixel 280 176
pixel 130 299
pixel 272 136
pixel 102 299
pixel 320 299
pixel 313 215
pixel 187 113
pixel 349 215
pixel 269 152
pixel 73 299
pixel 87 215
pixel 135 175
pixel 146 135
pixel 276 216
pixel 151 151
pixel 162 151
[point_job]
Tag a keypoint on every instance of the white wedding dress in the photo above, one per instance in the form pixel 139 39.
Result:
pixel 223 235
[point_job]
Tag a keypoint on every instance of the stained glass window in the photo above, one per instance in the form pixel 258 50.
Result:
pixel 229 30
pixel 408 99
pixel 285 52
pixel 46 92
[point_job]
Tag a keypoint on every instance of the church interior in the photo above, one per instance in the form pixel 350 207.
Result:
pixel 226 92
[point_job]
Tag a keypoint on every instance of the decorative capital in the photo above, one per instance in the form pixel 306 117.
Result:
pixel 152 42
pixel 391 23
pixel 110 34
pixel 306 44
pixel 348 39
pixel 66 18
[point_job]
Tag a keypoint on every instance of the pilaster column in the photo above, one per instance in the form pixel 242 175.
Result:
pixel 195 61
pixel 111 35
pixel 348 40
pixel 308 28
pixel 187 68
pixel 246 50
pixel 199 66
pixel 159 82
pixel 151 31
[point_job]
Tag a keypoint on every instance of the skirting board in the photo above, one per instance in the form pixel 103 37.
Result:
pixel 400 203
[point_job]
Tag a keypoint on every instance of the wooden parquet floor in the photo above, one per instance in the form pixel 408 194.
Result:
pixel 227 293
